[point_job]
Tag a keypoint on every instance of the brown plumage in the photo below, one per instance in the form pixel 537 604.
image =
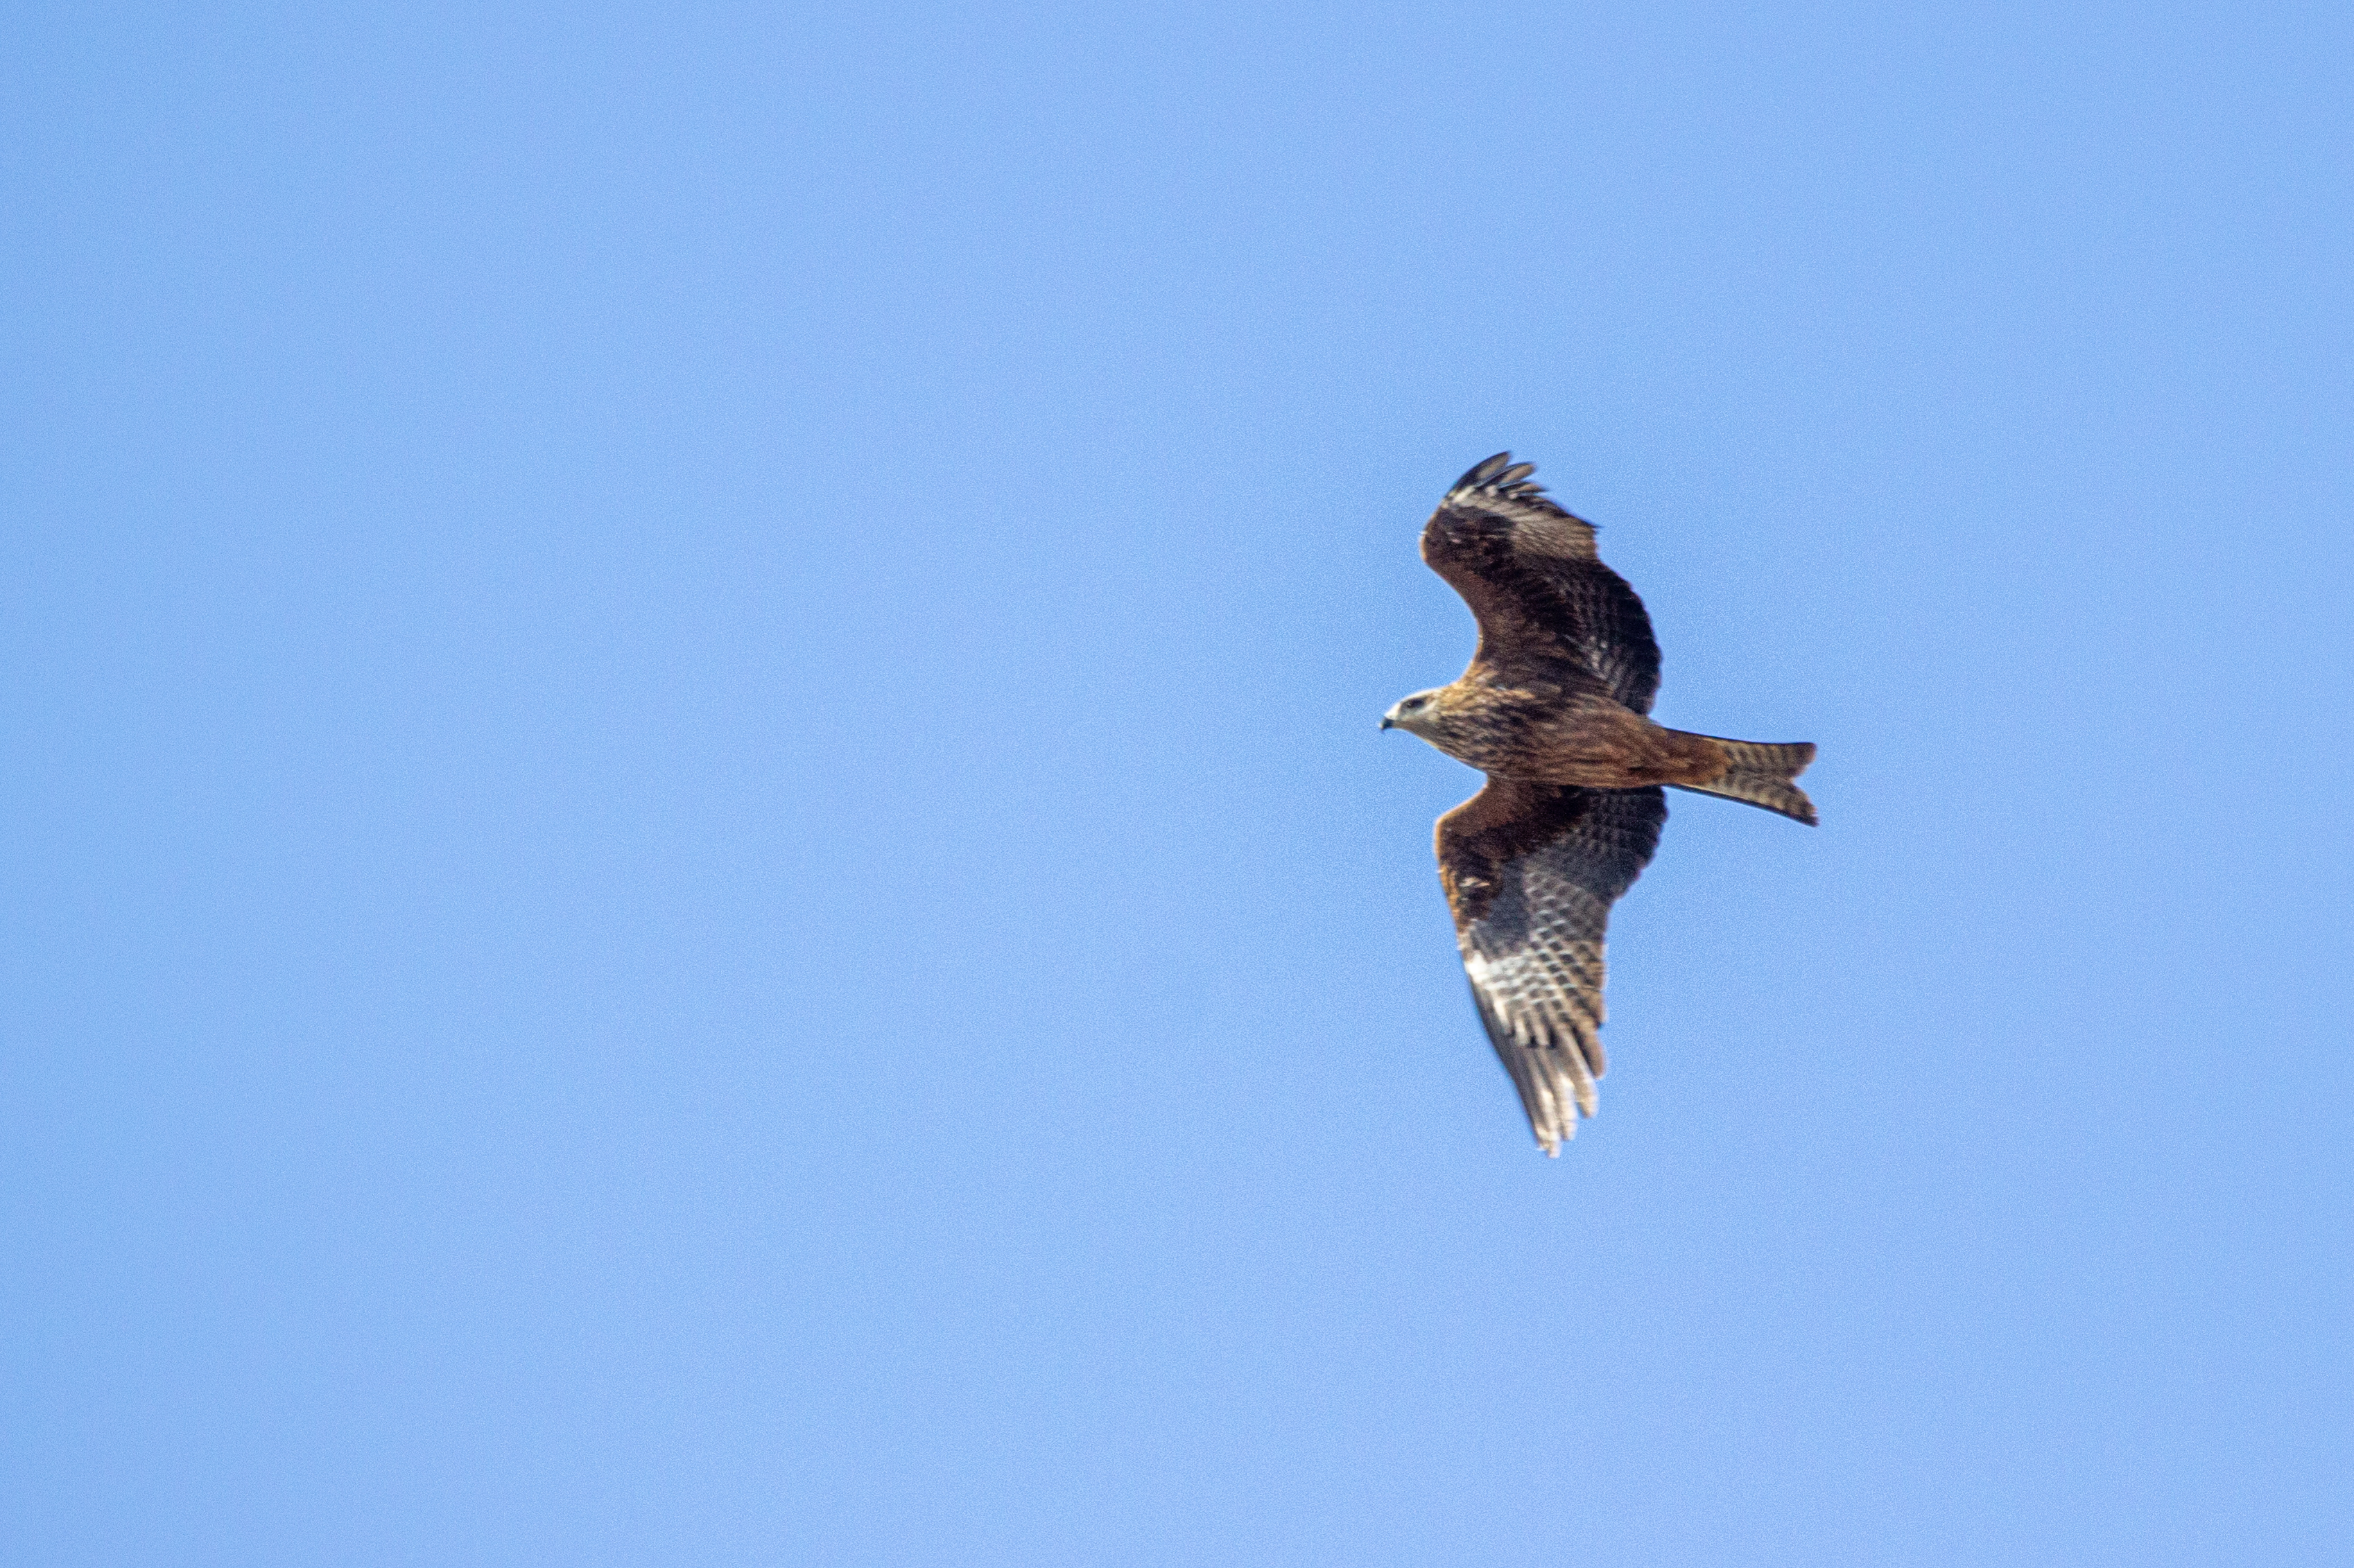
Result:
pixel 1553 710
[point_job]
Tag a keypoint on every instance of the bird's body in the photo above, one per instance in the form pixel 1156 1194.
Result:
pixel 1554 709
pixel 1550 734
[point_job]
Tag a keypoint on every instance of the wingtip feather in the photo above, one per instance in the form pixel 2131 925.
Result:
pixel 1498 475
pixel 1481 472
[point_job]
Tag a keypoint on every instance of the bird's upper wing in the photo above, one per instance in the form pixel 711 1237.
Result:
pixel 1528 572
pixel 1531 872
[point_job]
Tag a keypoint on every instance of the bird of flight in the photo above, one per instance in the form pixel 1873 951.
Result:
pixel 1551 709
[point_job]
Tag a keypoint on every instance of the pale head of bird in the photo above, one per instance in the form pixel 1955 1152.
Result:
pixel 1417 714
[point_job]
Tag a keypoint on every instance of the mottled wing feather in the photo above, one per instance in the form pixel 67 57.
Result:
pixel 1531 872
pixel 1529 571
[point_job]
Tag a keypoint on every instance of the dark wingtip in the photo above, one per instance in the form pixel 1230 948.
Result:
pixel 1498 475
pixel 1481 472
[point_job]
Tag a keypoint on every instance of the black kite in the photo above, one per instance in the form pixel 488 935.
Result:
pixel 1553 710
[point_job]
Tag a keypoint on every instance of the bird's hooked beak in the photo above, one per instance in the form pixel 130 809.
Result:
pixel 1388 723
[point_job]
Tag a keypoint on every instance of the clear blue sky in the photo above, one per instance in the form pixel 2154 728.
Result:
pixel 698 869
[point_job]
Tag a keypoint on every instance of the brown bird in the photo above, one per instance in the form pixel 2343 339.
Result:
pixel 1551 709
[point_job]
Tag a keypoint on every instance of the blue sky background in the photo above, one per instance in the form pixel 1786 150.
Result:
pixel 698 868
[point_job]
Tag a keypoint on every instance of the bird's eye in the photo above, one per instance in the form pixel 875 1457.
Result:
pixel 1417 702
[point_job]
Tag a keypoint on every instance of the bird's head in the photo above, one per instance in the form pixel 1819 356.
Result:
pixel 1417 714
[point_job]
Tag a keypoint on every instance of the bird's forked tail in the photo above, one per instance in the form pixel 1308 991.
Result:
pixel 1759 774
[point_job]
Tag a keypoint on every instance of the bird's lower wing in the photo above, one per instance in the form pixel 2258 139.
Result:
pixel 1531 872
